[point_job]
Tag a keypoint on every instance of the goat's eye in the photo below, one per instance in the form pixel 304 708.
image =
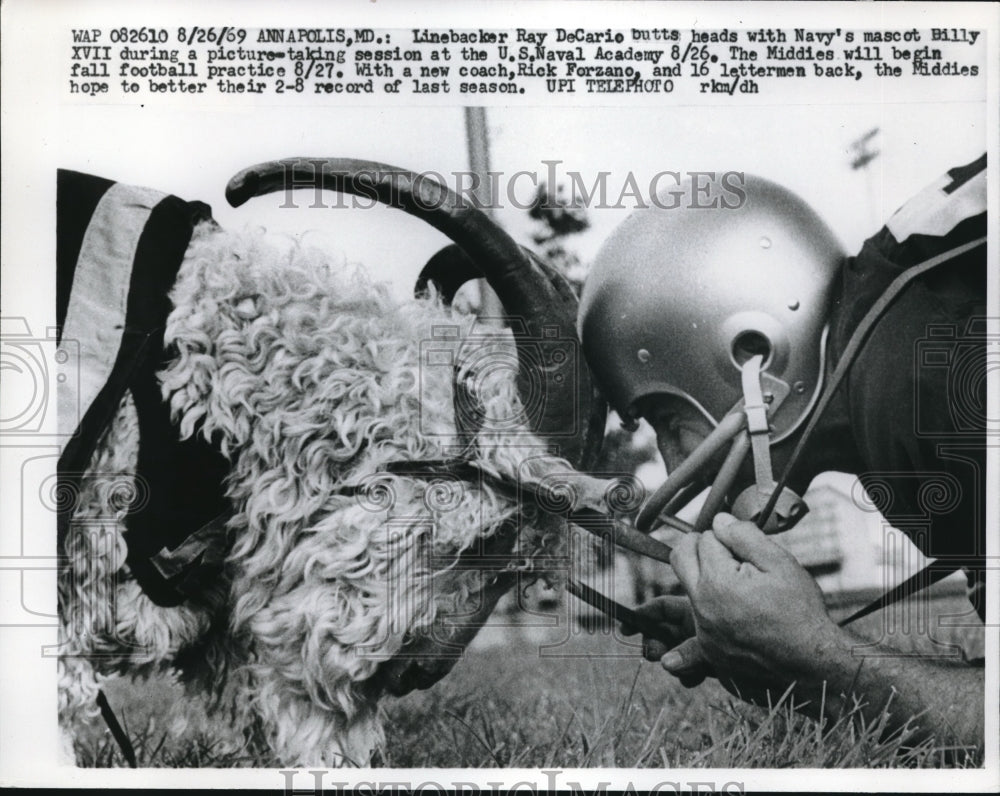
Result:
pixel 247 307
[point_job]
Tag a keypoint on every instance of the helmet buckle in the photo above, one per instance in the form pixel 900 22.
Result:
pixel 787 512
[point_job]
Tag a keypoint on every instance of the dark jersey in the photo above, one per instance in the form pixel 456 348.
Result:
pixel 910 419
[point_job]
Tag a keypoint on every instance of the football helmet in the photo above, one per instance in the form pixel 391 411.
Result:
pixel 683 293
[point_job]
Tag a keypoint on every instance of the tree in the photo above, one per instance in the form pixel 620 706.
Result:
pixel 557 219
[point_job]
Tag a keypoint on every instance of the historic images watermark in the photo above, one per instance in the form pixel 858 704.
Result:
pixel 494 190
pixel 322 781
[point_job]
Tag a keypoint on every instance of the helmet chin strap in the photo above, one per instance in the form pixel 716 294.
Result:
pixel 790 508
pixel 757 426
pixel 747 430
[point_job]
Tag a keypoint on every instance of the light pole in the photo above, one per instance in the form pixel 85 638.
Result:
pixel 477 139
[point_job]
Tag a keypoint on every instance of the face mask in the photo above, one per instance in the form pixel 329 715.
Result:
pixel 746 430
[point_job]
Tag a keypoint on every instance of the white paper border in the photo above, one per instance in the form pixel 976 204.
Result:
pixel 27 740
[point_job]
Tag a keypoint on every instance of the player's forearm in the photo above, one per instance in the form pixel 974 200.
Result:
pixel 944 699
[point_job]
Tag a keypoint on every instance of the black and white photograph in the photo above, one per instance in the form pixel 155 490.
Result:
pixel 500 396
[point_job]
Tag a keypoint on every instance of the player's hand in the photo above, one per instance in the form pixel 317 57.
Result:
pixel 674 616
pixel 759 618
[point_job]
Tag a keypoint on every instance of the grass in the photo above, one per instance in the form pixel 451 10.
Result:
pixel 166 730
pixel 613 713
pixel 588 702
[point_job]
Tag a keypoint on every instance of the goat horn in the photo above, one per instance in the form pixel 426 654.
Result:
pixel 447 270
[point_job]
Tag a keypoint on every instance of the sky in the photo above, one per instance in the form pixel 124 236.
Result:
pixel 806 147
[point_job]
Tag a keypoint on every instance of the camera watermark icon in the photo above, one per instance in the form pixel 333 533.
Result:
pixel 510 574
pixel 482 365
pixel 934 619
pixel 89 511
pixel 594 505
pixel 41 380
pixel 955 362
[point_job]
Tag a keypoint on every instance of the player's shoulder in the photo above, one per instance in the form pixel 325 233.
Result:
pixel 948 212
pixel 945 215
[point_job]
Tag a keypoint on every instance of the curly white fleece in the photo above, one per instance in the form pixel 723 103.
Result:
pixel 309 377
